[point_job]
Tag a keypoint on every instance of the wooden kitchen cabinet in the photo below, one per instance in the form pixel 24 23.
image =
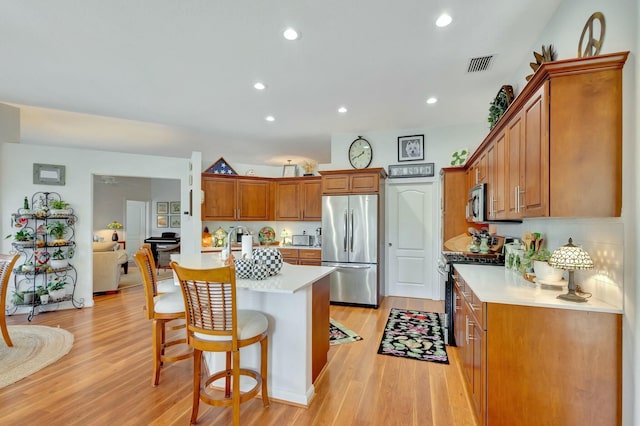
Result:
pixel 310 257
pixel 454 201
pixel 235 198
pixel 296 256
pixel 526 365
pixel 471 338
pixel 298 199
pixel 357 181
pixel 563 143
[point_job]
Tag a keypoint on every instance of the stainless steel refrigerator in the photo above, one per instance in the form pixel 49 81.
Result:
pixel 350 242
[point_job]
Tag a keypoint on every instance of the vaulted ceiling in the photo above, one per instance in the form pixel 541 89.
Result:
pixel 168 77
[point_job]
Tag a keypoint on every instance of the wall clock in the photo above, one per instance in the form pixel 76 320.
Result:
pixel 360 153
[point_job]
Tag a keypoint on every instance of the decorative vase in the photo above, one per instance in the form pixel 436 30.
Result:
pixel 59 263
pixel 114 237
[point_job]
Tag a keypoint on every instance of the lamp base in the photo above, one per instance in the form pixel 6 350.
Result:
pixel 572 297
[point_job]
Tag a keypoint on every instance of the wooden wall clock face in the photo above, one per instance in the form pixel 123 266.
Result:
pixel 360 153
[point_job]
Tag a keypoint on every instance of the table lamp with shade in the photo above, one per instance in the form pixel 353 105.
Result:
pixel 570 258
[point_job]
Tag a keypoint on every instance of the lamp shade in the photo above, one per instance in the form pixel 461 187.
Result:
pixel 570 257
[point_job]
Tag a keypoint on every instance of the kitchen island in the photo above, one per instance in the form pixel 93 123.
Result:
pixel 296 303
pixel 530 358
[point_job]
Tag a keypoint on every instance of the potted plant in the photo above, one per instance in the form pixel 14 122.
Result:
pixel 538 261
pixel 24 236
pixel 59 259
pixel 57 230
pixel 58 208
pixel 56 288
pixel 115 225
pixel 27 267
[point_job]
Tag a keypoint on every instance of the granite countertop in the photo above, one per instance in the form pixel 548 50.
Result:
pixel 496 284
pixel 290 279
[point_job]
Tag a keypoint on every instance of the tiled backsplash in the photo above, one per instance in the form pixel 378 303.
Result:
pixel 293 228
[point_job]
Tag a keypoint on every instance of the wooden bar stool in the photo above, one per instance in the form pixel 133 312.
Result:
pixel 6 266
pixel 215 325
pixel 161 309
pixel 164 286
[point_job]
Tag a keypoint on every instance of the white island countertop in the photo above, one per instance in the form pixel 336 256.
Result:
pixel 290 279
pixel 496 284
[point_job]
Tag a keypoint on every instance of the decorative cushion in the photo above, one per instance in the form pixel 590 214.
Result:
pixel 244 268
pixel 104 246
pixel 269 257
pixel 250 324
pixel 168 303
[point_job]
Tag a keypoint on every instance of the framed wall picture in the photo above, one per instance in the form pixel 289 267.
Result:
pixel 411 148
pixel 162 221
pixel 48 174
pixel 162 207
pixel 174 207
pixel 174 221
pixel 289 170
pixel 412 170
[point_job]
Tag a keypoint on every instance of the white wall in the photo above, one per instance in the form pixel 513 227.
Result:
pixel 16 179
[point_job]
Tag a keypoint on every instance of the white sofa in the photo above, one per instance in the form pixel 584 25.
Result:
pixel 107 260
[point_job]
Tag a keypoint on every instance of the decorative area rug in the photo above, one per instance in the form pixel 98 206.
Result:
pixel 414 334
pixel 34 347
pixel 339 334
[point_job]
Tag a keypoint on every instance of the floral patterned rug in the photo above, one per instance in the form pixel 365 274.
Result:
pixel 339 334
pixel 414 334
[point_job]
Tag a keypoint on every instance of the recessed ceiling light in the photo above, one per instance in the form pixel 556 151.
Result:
pixel 270 118
pixel 432 100
pixel 290 34
pixel 342 110
pixel 443 20
pixel 259 86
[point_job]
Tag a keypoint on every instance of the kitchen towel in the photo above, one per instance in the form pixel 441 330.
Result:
pixel 247 246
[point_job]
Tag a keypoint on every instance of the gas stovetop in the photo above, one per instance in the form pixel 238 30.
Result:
pixel 468 257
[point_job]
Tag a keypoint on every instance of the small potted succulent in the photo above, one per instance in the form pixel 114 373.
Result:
pixel 58 208
pixel 57 230
pixel 59 258
pixel 56 288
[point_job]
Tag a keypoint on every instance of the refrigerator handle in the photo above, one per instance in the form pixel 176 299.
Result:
pixel 351 233
pixel 344 240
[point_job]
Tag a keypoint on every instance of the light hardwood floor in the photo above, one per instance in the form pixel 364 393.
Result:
pixel 106 378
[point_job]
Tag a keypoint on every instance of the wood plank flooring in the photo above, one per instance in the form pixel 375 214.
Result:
pixel 106 378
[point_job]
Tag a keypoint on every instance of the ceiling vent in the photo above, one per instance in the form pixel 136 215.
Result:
pixel 479 64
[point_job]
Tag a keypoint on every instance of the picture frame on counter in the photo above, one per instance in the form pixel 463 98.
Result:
pixel 174 221
pixel 411 148
pixel 162 207
pixel 412 170
pixel 162 221
pixel 174 207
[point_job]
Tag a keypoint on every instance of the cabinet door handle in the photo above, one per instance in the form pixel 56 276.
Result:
pixel 466 328
pixel 520 205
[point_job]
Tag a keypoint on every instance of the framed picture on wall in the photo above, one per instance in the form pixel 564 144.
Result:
pixel 162 221
pixel 411 148
pixel 162 207
pixel 174 221
pixel 174 207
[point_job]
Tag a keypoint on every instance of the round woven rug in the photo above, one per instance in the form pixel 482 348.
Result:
pixel 34 347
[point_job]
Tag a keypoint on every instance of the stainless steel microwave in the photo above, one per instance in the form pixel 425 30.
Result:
pixel 477 203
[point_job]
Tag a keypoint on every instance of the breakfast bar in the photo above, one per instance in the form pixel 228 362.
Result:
pixel 296 303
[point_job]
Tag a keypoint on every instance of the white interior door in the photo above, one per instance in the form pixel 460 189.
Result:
pixel 136 225
pixel 411 239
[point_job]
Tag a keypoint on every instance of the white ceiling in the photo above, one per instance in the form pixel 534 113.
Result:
pixel 168 77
